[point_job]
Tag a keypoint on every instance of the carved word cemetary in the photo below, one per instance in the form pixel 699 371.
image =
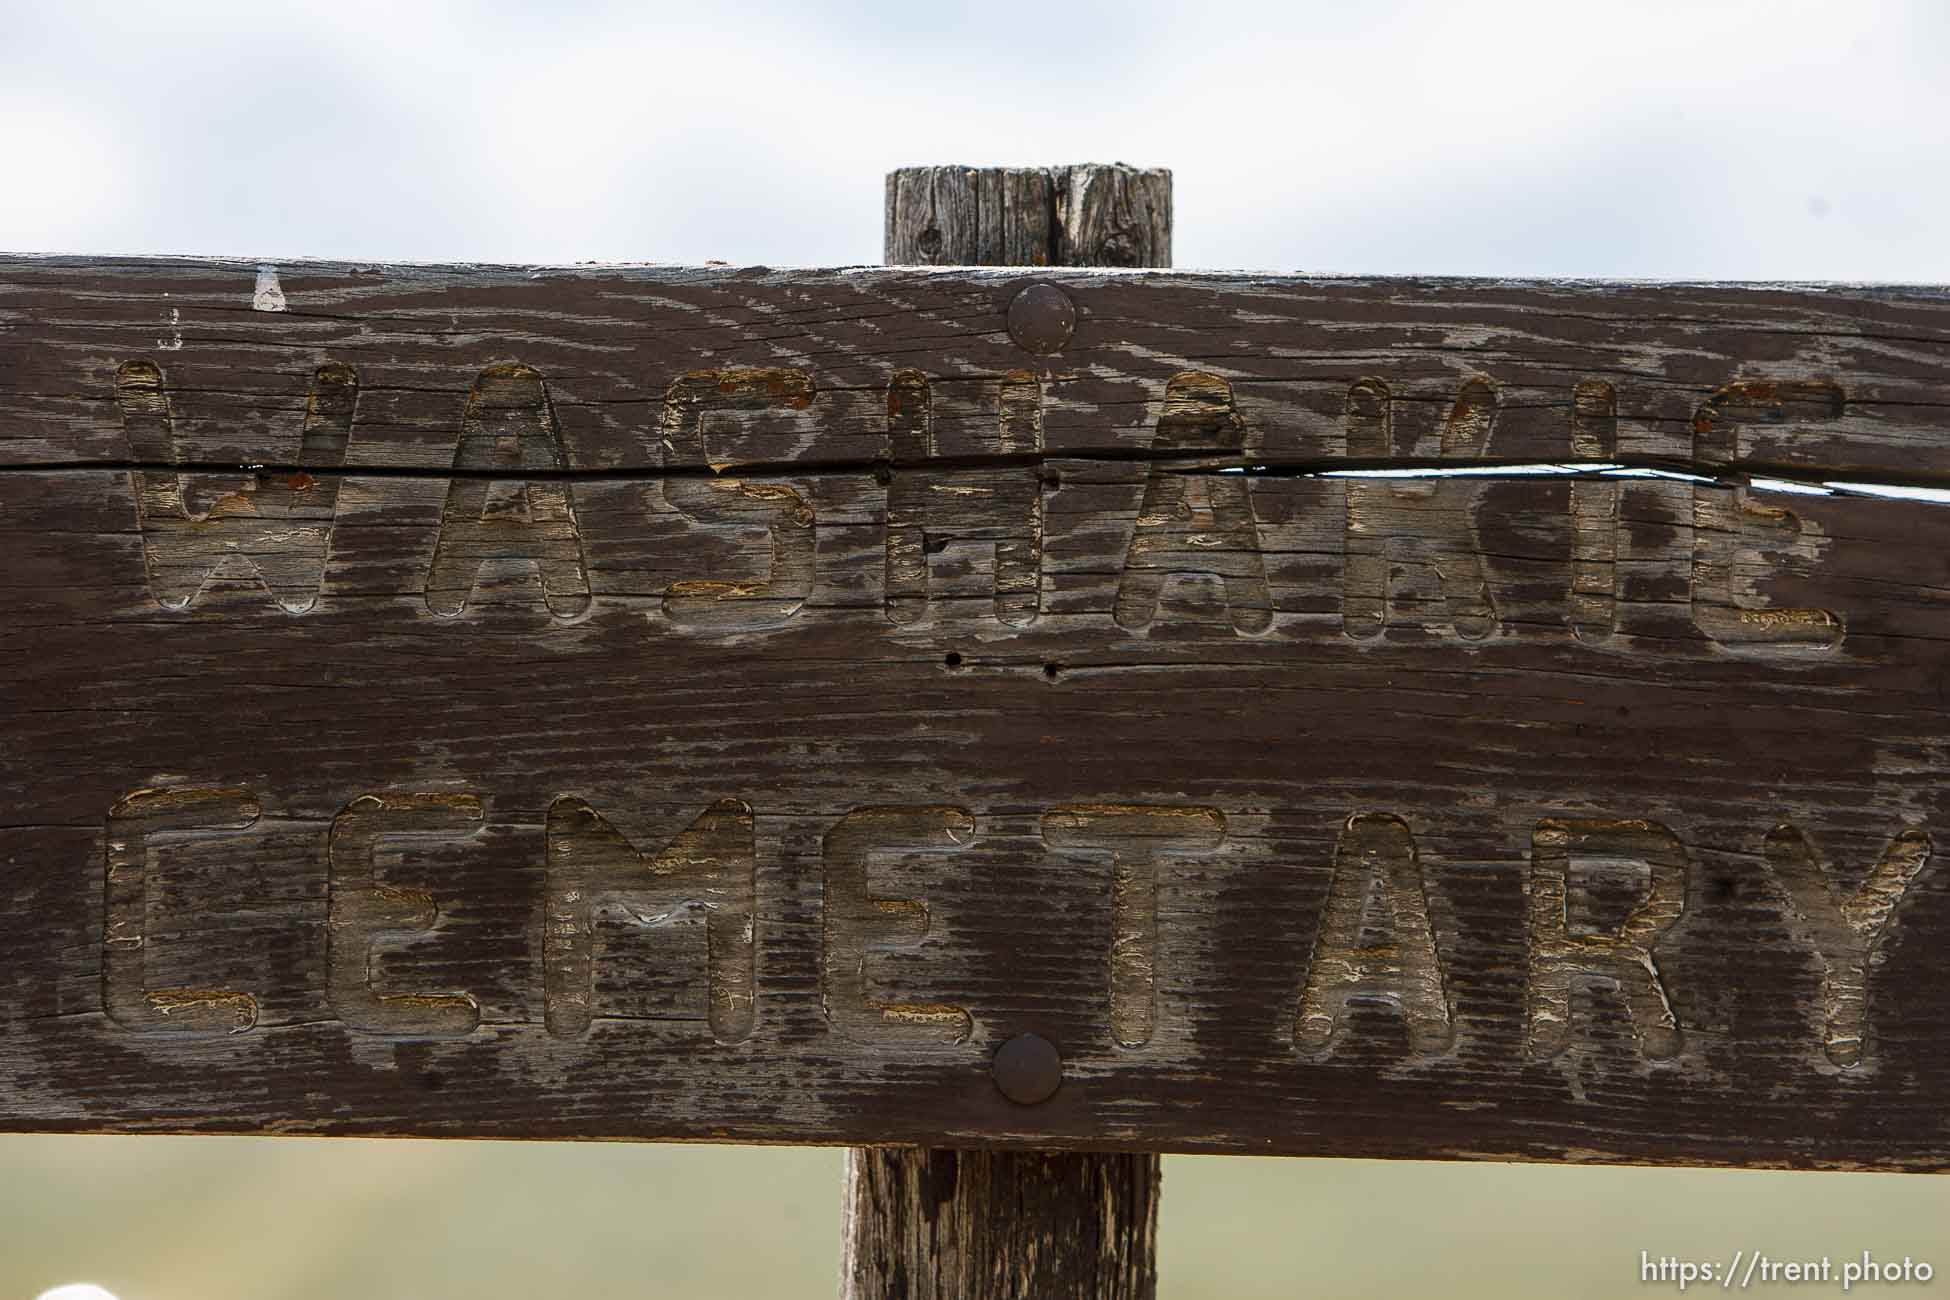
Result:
pixel 1294 715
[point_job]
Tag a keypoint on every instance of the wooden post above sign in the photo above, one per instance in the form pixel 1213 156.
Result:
pixel 1369 717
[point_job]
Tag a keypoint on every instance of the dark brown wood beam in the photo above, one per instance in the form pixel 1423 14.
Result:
pixel 703 703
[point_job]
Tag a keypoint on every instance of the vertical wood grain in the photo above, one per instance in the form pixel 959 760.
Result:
pixel 934 1224
pixel 1095 214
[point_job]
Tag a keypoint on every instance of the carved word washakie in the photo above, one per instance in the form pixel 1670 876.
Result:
pixel 512 498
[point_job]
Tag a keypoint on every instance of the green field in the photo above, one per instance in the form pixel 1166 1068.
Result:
pixel 311 1219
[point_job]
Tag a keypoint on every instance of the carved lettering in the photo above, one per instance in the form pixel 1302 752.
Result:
pixel 133 823
pixel 1000 506
pixel 1848 930
pixel 1140 842
pixel 1375 942
pixel 1196 525
pixel 1401 535
pixel 1594 513
pixel 278 530
pixel 709 870
pixel 508 427
pixel 856 921
pixel 1566 950
pixel 1390 521
pixel 363 913
pixel 1724 515
pixel 710 606
pixel 1590 923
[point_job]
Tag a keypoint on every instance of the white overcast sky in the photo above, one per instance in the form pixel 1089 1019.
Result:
pixel 1718 140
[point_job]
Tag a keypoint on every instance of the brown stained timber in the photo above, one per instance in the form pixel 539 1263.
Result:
pixel 441 767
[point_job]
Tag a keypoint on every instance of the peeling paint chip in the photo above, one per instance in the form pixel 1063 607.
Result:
pixel 269 296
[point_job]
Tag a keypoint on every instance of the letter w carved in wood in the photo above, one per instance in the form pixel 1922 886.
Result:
pixel 279 529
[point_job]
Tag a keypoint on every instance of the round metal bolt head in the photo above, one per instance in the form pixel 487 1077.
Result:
pixel 1028 1069
pixel 1042 318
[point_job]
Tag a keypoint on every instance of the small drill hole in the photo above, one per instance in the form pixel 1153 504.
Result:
pixel 952 659
pixel 1052 671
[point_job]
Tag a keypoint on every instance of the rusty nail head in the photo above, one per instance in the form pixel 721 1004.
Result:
pixel 1028 1069
pixel 1042 318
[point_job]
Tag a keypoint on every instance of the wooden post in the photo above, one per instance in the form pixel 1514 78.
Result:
pixel 1093 215
pixel 944 1225
pixel 939 1224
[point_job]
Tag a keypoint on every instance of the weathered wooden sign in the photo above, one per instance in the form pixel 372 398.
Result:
pixel 976 708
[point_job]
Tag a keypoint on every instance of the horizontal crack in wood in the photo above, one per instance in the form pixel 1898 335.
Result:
pixel 1488 470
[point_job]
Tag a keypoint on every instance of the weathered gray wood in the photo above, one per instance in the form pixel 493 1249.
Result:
pixel 1154 813
pixel 1013 1226
pixel 931 1222
pixel 1112 216
pixel 1092 215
